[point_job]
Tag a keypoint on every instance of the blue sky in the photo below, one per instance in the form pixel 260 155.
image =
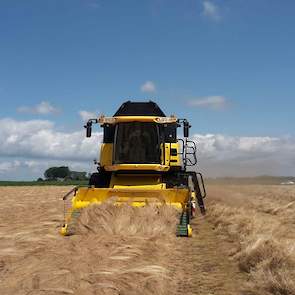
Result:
pixel 228 66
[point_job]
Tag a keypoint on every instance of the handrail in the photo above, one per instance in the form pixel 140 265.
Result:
pixel 203 185
pixel 186 151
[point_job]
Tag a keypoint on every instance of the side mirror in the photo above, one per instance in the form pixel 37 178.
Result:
pixel 186 127
pixel 88 127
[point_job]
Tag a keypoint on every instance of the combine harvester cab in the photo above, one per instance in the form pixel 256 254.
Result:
pixel 142 162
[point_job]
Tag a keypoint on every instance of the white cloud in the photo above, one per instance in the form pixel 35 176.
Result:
pixel 222 155
pixel 211 10
pixel 39 139
pixel 148 86
pixel 85 115
pixel 28 148
pixel 43 108
pixel 212 102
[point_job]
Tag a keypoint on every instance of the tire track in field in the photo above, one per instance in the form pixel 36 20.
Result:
pixel 207 266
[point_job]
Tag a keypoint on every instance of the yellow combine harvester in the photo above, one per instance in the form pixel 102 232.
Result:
pixel 142 161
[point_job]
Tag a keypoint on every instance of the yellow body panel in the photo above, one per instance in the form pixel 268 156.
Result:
pixel 139 167
pixel 175 160
pixel 121 119
pixel 167 154
pixel 135 197
pixel 137 181
pixel 106 154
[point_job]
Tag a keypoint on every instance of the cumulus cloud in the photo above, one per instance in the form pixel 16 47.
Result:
pixel 86 115
pixel 148 86
pixel 212 102
pixel 223 155
pixel 43 108
pixel 28 148
pixel 211 10
pixel 40 139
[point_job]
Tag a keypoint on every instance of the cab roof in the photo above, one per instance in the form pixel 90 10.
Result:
pixel 148 108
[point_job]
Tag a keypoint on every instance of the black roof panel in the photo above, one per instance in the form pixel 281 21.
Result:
pixel 130 108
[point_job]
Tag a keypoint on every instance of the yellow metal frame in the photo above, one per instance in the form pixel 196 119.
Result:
pixel 120 119
pixel 177 198
pixel 137 167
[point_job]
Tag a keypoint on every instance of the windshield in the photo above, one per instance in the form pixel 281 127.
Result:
pixel 137 142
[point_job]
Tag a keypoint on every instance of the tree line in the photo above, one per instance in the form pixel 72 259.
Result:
pixel 63 173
